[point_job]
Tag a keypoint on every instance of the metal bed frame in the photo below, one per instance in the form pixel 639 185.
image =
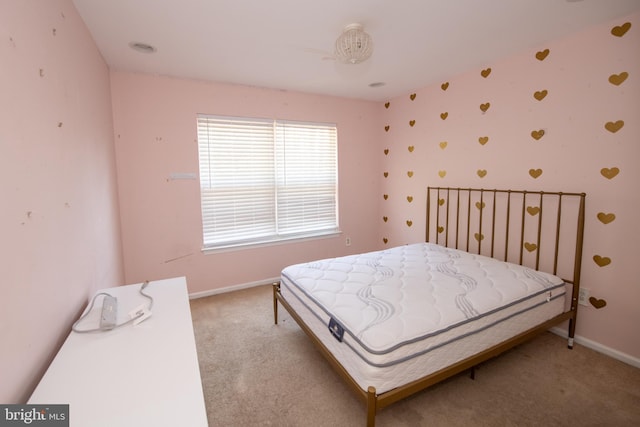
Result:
pixel 452 221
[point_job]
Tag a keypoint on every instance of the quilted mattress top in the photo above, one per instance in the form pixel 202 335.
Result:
pixel 389 298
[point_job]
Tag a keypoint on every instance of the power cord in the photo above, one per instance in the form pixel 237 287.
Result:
pixel 144 285
pixel 75 328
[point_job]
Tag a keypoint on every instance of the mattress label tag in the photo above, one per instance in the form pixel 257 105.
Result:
pixel 336 330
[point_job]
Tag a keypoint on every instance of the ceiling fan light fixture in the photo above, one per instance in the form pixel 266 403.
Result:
pixel 354 45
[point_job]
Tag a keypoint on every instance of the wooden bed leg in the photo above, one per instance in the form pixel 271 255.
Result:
pixel 472 374
pixel 371 406
pixel 276 289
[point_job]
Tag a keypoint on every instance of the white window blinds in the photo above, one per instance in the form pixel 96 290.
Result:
pixel 265 180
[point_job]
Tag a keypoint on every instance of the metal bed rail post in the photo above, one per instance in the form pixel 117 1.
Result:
pixel 576 270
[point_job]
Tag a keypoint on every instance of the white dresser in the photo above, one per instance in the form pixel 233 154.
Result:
pixel 136 375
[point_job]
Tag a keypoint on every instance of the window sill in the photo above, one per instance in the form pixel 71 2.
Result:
pixel 252 245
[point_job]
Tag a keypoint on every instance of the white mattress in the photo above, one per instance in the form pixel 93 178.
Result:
pixel 412 310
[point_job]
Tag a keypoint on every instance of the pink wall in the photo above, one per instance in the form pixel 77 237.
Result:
pixel 155 129
pixel 60 224
pixel 576 146
pixel 59 221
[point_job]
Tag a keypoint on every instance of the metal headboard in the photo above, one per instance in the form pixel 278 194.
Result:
pixel 534 228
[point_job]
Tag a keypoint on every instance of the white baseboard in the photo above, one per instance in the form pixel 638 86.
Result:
pixel 203 294
pixel 623 357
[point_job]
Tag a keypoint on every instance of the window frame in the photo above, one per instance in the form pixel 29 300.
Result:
pixel 329 207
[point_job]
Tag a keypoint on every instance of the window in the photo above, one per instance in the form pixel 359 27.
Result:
pixel 266 180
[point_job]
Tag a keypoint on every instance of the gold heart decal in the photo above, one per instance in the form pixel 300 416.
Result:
pixel 530 246
pixel 540 56
pixel 412 122
pixel 621 30
pixel 479 236
pixel 410 173
pixel 442 173
pixel 444 115
pixel 601 261
pixel 597 303
pixel 480 205
pixel 386 104
pixel 386 151
pixel 618 79
pixel 410 148
pixel 440 229
pixel 539 95
pixel 386 174
pixel 385 240
pixel 410 199
pixel 482 173
pixel 614 127
pixel 409 223
pixel 444 86
pixel 537 134
pixel 385 219
pixel 609 173
pixel 533 210
pixel 535 173
pixel 443 144
pixel 412 96
pixel 606 218
pixel 485 107
pixel 441 202
pixel 386 196
pixel 386 128
pixel 483 140
pixel 485 73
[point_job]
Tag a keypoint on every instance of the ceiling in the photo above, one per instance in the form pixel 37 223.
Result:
pixel 288 44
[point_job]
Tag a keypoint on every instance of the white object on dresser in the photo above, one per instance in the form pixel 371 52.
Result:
pixel 145 374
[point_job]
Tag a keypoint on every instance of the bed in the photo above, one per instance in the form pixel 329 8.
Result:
pixel 497 267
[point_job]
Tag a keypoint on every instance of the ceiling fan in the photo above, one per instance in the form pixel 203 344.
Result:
pixel 353 46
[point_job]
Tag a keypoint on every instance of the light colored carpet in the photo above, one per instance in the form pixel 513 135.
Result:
pixel 255 373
